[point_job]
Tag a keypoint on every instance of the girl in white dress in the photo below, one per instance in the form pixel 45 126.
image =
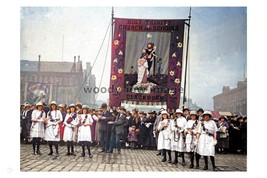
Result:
pixel 177 138
pixel 191 128
pixel 84 132
pixel 52 130
pixel 71 121
pixel 37 127
pixel 207 139
pixel 164 138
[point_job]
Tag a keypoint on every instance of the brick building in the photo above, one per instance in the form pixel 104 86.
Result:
pixel 66 79
pixel 232 100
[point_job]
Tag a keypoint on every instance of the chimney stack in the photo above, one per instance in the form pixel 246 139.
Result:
pixel 74 59
pixel 79 58
pixel 226 89
pixel 39 63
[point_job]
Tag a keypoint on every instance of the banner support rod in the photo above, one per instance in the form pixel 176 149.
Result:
pixel 186 59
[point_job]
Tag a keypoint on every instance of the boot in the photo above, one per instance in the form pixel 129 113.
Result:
pixel 33 146
pixel 83 152
pixel 183 161
pixel 191 160
pixel 170 156
pixel 38 148
pixel 164 156
pixel 159 153
pixel 72 151
pixel 197 161
pixel 175 158
pixel 51 150
pixel 206 163
pixel 56 146
pixel 213 163
pixel 68 147
pixel 89 151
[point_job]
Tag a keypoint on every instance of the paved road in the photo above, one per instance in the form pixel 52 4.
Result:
pixel 128 160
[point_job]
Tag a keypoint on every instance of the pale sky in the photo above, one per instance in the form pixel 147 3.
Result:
pixel 218 40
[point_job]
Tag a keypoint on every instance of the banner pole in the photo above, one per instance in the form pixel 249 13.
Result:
pixel 186 59
pixel 112 24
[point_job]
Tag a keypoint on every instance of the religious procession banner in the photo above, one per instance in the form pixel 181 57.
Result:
pixel 38 92
pixel 146 64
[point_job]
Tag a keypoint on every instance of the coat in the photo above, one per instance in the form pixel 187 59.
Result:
pixel 69 134
pixel 103 122
pixel 37 128
pixel 132 136
pixel 52 127
pixel 118 125
pixel 164 138
pixel 177 136
pixel 206 143
pixel 84 132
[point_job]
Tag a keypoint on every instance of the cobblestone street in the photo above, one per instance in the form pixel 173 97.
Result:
pixel 128 160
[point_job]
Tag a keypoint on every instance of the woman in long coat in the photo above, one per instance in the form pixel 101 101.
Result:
pixel 52 130
pixel 223 142
pixel 37 127
pixel 84 131
pixel 164 138
pixel 177 138
pixel 71 121
pixel 207 139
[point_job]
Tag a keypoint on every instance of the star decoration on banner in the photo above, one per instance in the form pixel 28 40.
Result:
pixel 114 77
pixel 177 80
pixel 179 45
pixel 171 92
pixel 120 53
pixel 177 37
pixel 174 55
pixel 115 60
pixel 119 89
pixel 120 70
pixel 178 63
pixel 172 73
pixel 116 42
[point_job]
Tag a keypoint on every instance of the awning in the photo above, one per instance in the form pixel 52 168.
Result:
pixel 223 113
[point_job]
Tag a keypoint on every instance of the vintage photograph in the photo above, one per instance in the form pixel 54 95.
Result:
pixel 136 89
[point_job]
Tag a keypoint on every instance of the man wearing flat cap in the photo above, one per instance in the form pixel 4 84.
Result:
pixel 103 119
pixel 117 131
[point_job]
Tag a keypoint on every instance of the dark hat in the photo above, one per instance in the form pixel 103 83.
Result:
pixel 223 117
pixel 135 109
pixel 142 112
pixel 122 108
pixel 240 117
pixel 104 106
pixel 235 115
pixel 78 104
pixel 200 110
pixel 186 109
pixel 151 112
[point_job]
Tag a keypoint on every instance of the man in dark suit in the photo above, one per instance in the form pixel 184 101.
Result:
pixel 117 131
pixel 103 118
